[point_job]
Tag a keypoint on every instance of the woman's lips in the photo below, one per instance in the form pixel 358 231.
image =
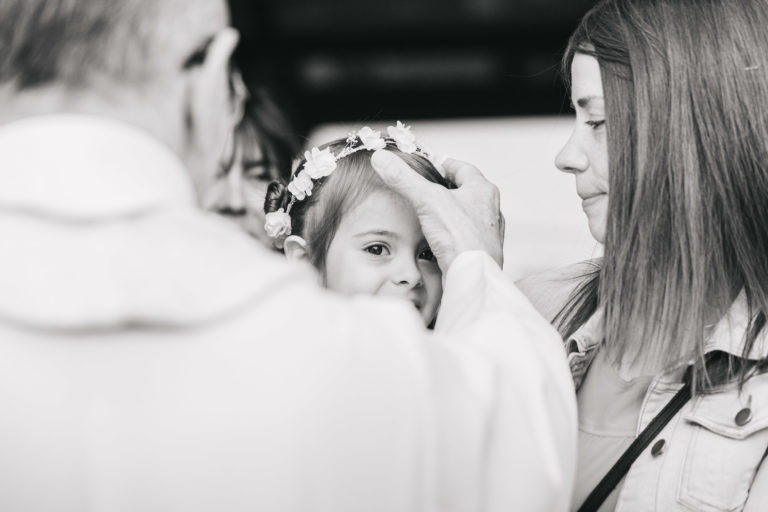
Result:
pixel 588 201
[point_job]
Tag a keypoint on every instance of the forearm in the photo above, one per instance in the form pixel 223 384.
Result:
pixel 532 431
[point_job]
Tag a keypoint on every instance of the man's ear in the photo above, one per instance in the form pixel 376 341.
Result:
pixel 295 248
pixel 212 76
pixel 210 111
pixel 218 56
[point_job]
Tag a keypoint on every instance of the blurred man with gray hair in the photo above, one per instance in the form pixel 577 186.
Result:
pixel 153 358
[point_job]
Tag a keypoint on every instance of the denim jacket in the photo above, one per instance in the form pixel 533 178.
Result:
pixel 714 449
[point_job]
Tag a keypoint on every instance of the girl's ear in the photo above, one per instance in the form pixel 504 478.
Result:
pixel 295 248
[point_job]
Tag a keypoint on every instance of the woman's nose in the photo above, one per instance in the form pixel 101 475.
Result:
pixel 232 200
pixel 571 158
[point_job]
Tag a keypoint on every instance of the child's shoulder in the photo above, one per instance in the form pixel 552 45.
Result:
pixel 549 291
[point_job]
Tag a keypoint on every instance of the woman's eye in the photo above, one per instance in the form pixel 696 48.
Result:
pixel 377 250
pixel 426 254
pixel 222 169
pixel 257 173
pixel 596 124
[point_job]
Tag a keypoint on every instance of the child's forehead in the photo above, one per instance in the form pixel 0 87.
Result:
pixel 382 210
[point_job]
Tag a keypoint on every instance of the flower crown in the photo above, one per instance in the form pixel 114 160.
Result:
pixel 321 163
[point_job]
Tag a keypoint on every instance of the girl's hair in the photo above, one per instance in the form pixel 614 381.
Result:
pixel 317 217
pixel 685 85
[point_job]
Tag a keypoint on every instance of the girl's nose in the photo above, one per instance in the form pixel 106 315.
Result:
pixel 571 158
pixel 408 274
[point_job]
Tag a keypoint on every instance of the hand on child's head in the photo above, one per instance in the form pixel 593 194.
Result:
pixel 438 161
pixel 453 221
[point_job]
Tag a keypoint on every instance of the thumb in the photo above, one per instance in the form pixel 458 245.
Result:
pixel 461 173
pixel 397 175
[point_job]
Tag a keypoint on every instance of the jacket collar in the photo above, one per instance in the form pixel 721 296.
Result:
pixel 100 230
pixel 727 335
pixel 82 167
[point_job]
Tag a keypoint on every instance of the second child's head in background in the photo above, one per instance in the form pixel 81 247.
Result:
pixel 362 237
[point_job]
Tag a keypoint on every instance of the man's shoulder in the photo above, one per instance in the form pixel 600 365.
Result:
pixel 549 291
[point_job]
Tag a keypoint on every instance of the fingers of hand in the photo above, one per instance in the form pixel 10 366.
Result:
pixel 460 172
pixel 437 161
pixel 399 176
pixel 481 194
pixel 391 168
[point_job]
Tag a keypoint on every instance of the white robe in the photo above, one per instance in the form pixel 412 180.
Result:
pixel 153 358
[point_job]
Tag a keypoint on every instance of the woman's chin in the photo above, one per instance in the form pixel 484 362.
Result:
pixel 597 227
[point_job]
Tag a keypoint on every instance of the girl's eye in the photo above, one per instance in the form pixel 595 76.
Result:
pixel 426 254
pixel 377 250
pixel 596 124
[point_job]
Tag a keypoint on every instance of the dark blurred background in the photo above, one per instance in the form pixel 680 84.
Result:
pixel 365 60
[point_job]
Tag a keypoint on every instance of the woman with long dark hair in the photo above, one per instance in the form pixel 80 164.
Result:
pixel 670 157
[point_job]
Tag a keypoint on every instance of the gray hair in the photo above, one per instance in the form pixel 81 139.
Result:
pixel 74 43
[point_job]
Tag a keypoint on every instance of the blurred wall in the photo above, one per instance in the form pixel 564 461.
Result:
pixel 353 60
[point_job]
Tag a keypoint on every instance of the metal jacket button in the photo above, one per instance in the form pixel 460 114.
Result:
pixel 743 417
pixel 658 447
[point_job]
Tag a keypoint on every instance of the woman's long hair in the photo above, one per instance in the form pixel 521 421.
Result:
pixel 686 93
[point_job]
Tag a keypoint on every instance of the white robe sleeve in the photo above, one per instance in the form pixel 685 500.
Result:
pixel 520 385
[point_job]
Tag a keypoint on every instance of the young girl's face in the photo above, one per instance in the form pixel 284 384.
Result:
pixel 379 249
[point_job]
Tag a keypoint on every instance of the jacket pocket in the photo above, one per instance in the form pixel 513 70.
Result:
pixel 723 456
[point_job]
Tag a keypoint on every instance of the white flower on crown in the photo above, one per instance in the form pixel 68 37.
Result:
pixel 319 164
pixel 371 139
pixel 301 186
pixel 405 140
pixel 278 224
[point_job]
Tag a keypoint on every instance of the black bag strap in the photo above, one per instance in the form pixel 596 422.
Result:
pixel 617 472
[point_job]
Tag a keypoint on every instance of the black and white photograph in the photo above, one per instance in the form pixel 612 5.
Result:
pixel 365 256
